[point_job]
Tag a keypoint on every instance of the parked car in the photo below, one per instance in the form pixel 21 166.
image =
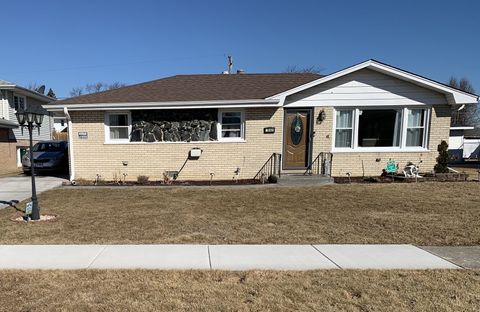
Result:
pixel 47 156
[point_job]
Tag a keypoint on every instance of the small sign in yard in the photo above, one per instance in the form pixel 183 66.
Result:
pixel 28 209
pixel 83 135
pixel 391 166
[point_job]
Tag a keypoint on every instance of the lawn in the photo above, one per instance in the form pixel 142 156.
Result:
pixel 421 214
pixel 329 290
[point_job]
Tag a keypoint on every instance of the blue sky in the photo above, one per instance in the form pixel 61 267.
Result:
pixel 66 44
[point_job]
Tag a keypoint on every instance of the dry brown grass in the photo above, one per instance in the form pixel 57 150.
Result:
pixel 137 290
pixel 422 214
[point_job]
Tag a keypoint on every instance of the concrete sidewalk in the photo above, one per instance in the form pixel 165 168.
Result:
pixel 221 257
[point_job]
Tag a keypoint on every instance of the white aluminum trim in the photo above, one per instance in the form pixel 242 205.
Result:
pixel 166 105
pixel 70 144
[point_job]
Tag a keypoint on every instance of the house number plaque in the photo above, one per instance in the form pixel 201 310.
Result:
pixel 83 135
pixel 269 130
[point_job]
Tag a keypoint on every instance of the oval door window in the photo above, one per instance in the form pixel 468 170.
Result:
pixel 296 131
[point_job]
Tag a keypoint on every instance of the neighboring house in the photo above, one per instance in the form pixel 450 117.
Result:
pixel 365 115
pixel 464 144
pixel 60 123
pixel 13 144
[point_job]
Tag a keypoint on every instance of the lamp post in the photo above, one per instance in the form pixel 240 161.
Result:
pixel 31 120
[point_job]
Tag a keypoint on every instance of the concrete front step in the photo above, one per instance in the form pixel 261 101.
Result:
pixel 300 179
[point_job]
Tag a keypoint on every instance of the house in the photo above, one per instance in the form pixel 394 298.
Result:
pixel 229 126
pixel 14 142
pixel 464 144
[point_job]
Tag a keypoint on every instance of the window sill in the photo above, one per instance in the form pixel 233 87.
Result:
pixel 155 143
pixel 381 150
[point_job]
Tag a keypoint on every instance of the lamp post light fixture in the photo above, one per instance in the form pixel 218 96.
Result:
pixel 31 120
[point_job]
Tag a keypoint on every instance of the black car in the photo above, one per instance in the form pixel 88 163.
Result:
pixel 47 156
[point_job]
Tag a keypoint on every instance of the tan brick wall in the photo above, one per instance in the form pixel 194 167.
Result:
pixel 352 162
pixel 93 156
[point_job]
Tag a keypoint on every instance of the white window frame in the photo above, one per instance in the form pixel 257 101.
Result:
pixel 426 120
pixel 107 126
pixel 19 97
pixel 403 131
pixel 242 125
pixel 354 122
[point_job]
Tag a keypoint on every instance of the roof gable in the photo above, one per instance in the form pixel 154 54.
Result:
pixel 454 96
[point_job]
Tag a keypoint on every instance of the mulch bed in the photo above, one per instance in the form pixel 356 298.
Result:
pixel 427 177
pixel 162 183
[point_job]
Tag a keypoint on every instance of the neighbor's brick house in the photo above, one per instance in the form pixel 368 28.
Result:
pixel 364 116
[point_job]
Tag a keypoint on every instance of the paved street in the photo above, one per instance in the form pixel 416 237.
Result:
pixel 18 188
pixel 221 257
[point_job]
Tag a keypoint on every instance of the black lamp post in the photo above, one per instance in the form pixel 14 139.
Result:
pixel 31 120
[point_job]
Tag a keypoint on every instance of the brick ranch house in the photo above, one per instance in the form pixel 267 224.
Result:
pixel 363 115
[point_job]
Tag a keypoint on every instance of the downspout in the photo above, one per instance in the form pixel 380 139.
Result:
pixel 70 146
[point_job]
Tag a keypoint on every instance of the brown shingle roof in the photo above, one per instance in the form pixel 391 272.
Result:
pixel 199 88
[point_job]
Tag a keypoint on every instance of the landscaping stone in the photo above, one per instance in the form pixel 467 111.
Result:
pixel 174 126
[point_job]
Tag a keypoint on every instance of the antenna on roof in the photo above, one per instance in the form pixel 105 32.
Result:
pixel 230 64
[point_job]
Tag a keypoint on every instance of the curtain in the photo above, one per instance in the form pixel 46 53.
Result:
pixel 415 118
pixel 344 119
pixel 415 127
pixel 343 133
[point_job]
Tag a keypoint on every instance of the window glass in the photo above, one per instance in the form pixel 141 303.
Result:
pixel 231 123
pixel 118 126
pixel 344 128
pixel 379 128
pixel 19 103
pixel 119 120
pixel 415 127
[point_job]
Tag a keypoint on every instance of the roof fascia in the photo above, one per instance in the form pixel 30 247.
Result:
pixel 165 105
pixel 28 92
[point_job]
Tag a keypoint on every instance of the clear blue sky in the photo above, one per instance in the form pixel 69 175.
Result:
pixel 66 44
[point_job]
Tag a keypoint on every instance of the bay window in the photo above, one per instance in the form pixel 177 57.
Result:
pixel 368 129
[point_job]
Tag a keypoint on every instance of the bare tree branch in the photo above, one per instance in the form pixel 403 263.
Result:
pixel 302 70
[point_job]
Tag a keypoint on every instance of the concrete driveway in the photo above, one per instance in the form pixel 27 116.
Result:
pixel 19 188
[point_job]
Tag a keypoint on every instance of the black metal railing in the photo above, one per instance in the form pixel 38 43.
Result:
pixel 321 165
pixel 271 167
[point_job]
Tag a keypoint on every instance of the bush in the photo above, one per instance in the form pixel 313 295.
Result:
pixel 142 179
pixel 272 179
pixel 442 159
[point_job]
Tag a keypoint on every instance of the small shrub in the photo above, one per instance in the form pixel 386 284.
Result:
pixel 442 159
pixel 142 179
pixel 272 179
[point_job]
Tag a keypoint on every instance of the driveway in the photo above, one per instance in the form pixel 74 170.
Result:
pixel 19 188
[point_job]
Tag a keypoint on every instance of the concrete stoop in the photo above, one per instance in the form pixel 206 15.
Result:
pixel 296 179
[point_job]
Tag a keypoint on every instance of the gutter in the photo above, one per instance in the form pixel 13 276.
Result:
pixel 166 105
pixel 70 145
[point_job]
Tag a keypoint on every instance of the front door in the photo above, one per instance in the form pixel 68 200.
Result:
pixel 296 139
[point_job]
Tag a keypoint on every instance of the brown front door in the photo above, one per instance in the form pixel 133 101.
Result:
pixel 297 139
